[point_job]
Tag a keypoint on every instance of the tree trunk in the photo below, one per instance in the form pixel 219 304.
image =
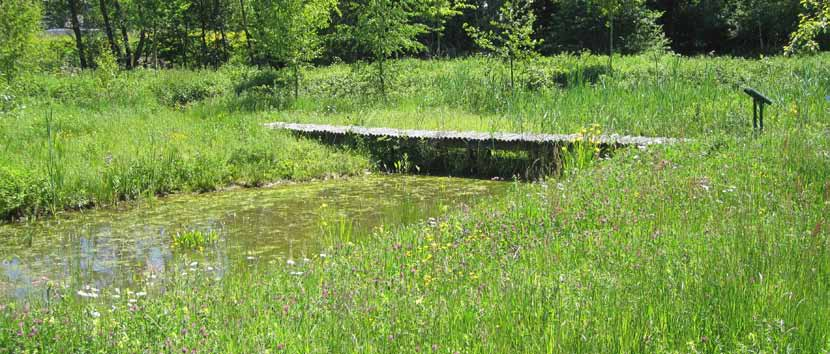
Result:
pixel 611 45
pixel 296 81
pixel 74 8
pixel 203 24
pixel 512 78
pixel 139 49
pixel 116 50
pixel 247 34
pixel 761 35
pixel 382 78
pixel 220 18
pixel 125 35
pixel 185 43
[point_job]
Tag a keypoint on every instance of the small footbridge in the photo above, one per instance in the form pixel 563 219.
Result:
pixel 454 153
pixel 470 140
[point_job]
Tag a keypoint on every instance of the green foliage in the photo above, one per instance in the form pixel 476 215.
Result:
pixel 720 245
pixel 512 34
pixel 611 9
pixel 436 13
pixel 385 28
pixel 19 25
pixel 812 24
pixel 193 239
pixel 288 31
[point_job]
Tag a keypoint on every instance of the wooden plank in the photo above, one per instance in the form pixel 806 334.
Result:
pixel 495 139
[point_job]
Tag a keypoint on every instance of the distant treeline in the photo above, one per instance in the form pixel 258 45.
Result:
pixel 209 33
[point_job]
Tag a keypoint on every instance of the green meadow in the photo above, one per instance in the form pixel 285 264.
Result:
pixel 718 244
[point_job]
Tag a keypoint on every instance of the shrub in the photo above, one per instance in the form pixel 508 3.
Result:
pixel 21 192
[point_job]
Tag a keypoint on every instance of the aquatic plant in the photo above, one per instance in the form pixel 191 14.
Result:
pixel 194 239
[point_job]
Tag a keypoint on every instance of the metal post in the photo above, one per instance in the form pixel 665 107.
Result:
pixel 754 114
pixel 761 117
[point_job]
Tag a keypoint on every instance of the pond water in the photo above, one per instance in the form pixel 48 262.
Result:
pixel 127 249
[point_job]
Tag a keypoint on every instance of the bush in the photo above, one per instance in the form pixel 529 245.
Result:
pixel 21 192
pixel 180 88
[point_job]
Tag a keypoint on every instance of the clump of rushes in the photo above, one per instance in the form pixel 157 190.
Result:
pixel 194 239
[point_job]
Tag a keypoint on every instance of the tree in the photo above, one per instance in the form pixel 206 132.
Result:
pixel 436 14
pixel 116 50
pixel 19 22
pixel 610 10
pixel 813 23
pixel 385 28
pixel 512 34
pixel 288 31
pixel 74 16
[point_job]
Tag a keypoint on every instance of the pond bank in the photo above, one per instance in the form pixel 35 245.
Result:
pixel 131 248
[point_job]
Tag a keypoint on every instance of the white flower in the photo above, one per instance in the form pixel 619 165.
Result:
pixel 82 293
pixel 290 262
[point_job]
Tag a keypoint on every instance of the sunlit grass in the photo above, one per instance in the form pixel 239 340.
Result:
pixel 715 246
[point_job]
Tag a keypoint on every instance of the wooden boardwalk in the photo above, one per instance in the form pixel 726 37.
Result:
pixel 481 140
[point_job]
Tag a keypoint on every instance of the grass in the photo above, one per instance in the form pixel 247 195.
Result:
pixel 75 140
pixel 82 143
pixel 716 245
pixel 679 97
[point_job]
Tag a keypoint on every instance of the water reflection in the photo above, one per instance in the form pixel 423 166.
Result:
pixel 109 249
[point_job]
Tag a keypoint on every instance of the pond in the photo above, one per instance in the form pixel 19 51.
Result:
pixel 129 249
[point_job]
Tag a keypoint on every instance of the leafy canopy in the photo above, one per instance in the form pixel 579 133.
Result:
pixel 19 23
pixel 386 27
pixel 287 31
pixel 813 23
pixel 511 35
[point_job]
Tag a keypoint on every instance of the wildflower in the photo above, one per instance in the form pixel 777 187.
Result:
pixel 194 264
pixel 296 273
pixel 85 294
pixel 141 294
pixel 95 314
pixel 251 258
pixel 290 262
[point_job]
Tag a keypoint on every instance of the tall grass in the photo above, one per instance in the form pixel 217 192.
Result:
pixel 716 246
pixel 140 136
pixel 118 136
pixel 670 96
